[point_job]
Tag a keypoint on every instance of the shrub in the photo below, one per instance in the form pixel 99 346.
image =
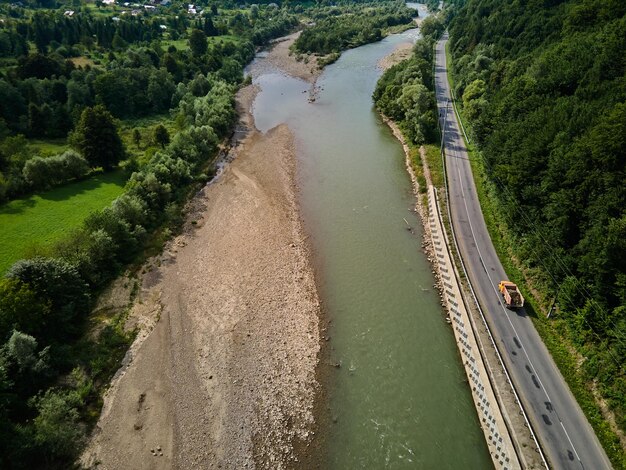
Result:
pixel 43 173
pixel 58 283
pixel 194 144
pixel 57 428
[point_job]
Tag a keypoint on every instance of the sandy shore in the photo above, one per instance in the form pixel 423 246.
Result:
pixel 280 58
pixel 222 374
pixel 400 53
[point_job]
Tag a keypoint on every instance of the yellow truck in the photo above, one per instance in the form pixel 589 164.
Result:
pixel 512 296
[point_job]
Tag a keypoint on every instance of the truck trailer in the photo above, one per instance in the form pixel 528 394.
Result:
pixel 512 296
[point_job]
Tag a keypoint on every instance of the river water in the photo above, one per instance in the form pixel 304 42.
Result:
pixel 400 398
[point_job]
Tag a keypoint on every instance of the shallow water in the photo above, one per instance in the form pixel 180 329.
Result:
pixel 400 398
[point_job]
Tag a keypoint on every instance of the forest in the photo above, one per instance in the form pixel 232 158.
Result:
pixel 543 87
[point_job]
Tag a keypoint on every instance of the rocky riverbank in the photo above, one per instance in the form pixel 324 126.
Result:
pixel 222 374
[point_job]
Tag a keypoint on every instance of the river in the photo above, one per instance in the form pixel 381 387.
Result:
pixel 400 398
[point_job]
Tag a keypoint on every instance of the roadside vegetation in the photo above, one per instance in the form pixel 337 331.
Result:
pixel 546 116
pixel 406 94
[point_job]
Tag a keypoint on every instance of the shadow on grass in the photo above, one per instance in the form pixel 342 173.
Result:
pixel 75 189
pixel 18 206
pixel 62 193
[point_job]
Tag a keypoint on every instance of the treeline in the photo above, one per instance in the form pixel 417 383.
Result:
pixel 339 28
pixel 53 31
pixel 544 87
pixel 44 95
pixel 433 5
pixel 44 301
pixel 405 92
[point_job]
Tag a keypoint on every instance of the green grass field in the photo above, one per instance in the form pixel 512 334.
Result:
pixel 183 44
pixel 32 224
pixel 48 147
pixel 179 44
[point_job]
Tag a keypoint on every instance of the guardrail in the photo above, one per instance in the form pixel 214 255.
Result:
pixel 498 433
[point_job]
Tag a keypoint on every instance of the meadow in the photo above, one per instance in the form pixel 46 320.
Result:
pixel 35 223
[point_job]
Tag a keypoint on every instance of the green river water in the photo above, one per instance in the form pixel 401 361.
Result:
pixel 399 399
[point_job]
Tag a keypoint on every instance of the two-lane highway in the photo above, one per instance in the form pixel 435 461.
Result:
pixel 566 437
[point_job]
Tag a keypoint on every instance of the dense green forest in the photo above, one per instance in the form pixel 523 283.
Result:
pixel 543 85
pixel 128 67
pixel 337 28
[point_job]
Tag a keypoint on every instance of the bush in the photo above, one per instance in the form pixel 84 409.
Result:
pixel 42 173
pixel 59 284
pixel 194 144
pixel 57 427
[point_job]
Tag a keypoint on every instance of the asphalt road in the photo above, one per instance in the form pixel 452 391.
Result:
pixel 567 439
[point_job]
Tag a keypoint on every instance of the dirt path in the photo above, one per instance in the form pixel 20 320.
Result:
pixel 222 374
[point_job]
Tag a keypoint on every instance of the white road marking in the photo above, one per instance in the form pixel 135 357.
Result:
pixel 504 309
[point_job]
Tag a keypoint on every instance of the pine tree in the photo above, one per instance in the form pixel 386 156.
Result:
pixel 37 120
pixel 209 27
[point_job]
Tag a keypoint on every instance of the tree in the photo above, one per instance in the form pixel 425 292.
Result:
pixel 59 285
pixel 20 308
pixel 13 104
pixel 136 137
pixel 118 43
pixel 96 137
pixel 15 149
pixel 22 349
pixel 431 27
pixel 160 90
pixel 171 65
pixel 209 27
pixel 198 43
pixel 473 100
pixel 37 120
pixel 161 136
pixel 57 428
pixel 38 66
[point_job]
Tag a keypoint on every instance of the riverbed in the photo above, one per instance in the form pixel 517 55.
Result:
pixel 222 373
pixel 397 396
